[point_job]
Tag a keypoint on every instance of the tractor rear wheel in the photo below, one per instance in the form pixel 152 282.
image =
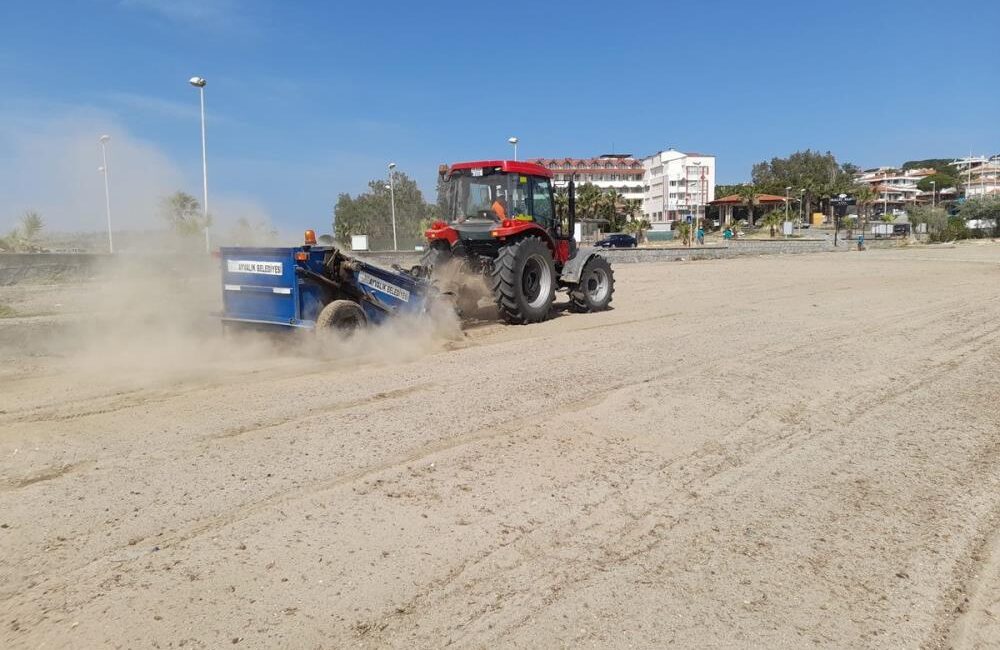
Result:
pixel 523 281
pixel 342 317
pixel 597 285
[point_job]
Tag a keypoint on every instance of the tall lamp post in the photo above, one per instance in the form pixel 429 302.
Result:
pixel 199 83
pixel 802 205
pixel 933 194
pixel 787 199
pixel 392 199
pixel 107 189
pixel 513 140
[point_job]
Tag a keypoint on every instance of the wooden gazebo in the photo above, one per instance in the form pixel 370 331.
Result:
pixel 727 203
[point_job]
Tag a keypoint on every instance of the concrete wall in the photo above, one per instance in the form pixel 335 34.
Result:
pixel 44 268
pixel 404 259
pixel 735 248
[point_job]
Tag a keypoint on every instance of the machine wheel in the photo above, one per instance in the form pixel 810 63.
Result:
pixel 341 316
pixel 523 281
pixel 432 257
pixel 597 286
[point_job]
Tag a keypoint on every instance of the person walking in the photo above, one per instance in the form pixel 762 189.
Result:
pixel 700 236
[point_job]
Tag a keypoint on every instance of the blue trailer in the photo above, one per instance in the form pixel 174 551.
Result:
pixel 310 287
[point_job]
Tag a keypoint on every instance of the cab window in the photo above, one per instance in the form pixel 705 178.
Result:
pixel 541 199
pixel 519 195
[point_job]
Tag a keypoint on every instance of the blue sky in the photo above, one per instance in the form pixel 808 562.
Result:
pixel 310 99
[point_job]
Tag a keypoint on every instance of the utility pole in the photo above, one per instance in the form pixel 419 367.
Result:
pixel 107 190
pixel 392 199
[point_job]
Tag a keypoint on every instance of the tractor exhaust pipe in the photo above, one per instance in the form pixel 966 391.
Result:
pixel 571 205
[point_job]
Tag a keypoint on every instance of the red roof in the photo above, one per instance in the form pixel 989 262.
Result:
pixel 592 163
pixel 736 199
pixel 510 166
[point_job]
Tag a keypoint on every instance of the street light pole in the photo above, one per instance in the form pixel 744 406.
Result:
pixel 199 83
pixel 107 189
pixel 513 140
pixel 933 195
pixel 392 199
pixel 787 198
pixel 802 204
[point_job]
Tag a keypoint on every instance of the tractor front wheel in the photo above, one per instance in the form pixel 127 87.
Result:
pixel 597 285
pixel 523 281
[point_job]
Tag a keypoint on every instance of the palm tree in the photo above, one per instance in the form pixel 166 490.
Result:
pixel 864 197
pixel 587 200
pixel 562 202
pixel 31 225
pixel 748 194
pixel 773 220
pixel 684 232
pixel 613 208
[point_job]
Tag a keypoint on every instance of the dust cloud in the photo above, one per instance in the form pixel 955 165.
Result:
pixel 147 321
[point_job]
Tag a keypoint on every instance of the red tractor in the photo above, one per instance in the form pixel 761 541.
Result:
pixel 501 223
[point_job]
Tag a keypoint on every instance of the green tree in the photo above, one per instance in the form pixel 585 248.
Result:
pixel 31 227
pixel 684 232
pixel 849 223
pixel 9 244
pixel 864 197
pixel 727 190
pixel 940 165
pixel 258 233
pixel 935 219
pixel 819 174
pixel 184 214
pixel 773 220
pixel 748 195
pixel 614 209
pixel 982 209
pixel 937 182
pixel 561 199
pixel 588 201
pixel 370 213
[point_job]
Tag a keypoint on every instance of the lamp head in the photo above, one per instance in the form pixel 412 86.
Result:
pixel 512 140
pixel 197 81
pixel 104 138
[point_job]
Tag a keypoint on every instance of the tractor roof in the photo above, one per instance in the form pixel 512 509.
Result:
pixel 508 166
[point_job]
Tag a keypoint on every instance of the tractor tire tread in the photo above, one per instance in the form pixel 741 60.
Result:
pixel 578 300
pixel 505 284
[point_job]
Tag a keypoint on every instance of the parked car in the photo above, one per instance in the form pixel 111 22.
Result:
pixel 618 240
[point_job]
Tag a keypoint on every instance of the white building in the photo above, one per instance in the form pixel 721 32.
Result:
pixel 896 189
pixel 979 175
pixel 676 184
pixel 671 184
pixel 620 172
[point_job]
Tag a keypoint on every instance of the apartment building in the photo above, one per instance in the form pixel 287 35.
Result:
pixel 980 175
pixel 620 172
pixel 671 184
pixel 897 189
pixel 677 184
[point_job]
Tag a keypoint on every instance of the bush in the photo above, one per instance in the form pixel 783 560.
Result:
pixel 956 229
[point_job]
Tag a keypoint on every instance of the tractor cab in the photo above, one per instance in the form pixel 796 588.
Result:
pixel 488 201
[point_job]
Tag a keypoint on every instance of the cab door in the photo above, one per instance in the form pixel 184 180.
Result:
pixel 544 214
